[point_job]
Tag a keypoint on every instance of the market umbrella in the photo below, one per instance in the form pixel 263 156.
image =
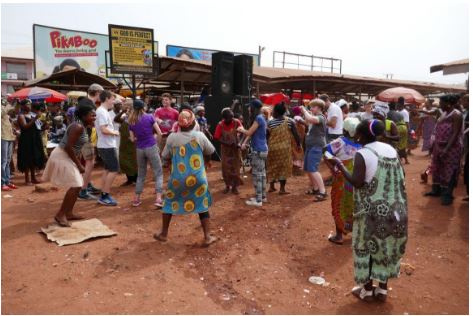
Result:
pixel 274 98
pixel 76 94
pixel 411 96
pixel 38 93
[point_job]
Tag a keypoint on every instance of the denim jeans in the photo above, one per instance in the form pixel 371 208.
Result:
pixel 7 153
pixel 150 154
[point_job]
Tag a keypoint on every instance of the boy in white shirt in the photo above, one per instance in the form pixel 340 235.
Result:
pixel 107 146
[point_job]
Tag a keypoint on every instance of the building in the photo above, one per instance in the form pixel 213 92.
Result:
pixel 17 67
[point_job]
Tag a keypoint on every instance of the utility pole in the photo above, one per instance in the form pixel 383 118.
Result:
pixel 260 50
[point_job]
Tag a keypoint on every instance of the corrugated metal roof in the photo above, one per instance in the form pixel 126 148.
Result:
pixel 461 62
pixel 175 69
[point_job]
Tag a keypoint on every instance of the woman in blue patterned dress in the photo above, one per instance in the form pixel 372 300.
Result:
pixel 187 190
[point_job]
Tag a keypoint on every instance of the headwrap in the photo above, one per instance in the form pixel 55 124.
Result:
pixel 350 124
pixel 297 111
pixel 186 118
pixel 341 103
pixel 224 110
pixel 199 108
pixel 381 108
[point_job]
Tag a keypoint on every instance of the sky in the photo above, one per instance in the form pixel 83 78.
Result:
pixel 373 38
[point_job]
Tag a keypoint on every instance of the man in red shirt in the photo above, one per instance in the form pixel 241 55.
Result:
pixel 166 116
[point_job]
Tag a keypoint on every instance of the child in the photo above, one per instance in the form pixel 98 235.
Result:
pixel 345 149
pixel 226 132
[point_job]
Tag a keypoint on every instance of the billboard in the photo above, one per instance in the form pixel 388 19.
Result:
pixel 131 49
pixel 56 49
pixel 198 53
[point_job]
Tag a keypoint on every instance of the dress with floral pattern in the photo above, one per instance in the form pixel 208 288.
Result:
pixel 380 223
pixel 187 190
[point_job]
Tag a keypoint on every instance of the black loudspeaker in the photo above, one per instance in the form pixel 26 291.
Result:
pixel 222 74
pixel 242 74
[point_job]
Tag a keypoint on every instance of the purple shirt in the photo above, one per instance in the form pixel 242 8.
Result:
pixel 143 131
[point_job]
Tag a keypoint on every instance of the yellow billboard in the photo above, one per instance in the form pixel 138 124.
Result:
pixel 131 49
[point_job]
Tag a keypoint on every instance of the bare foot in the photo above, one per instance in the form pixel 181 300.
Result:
pixel 271 190
pixel 283 192
pixel 29 183
pixel 62 222
pixel 235 190
pixel 160 237
pixel 36 181
pixel 209 240
pixel 227 189
pixel 74 217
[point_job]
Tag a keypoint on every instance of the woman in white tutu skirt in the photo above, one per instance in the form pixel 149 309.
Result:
pixel 64 168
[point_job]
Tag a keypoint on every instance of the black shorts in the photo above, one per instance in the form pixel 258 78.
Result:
pixel 110 158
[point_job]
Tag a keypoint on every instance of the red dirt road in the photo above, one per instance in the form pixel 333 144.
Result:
pixel 260 265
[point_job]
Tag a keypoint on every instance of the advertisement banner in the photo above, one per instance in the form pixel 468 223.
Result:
pixel 198 53
pixel 131 49
pixel 56 49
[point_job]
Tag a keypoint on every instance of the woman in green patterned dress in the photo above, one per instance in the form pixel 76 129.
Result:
pixel 127 150
pixel 380 217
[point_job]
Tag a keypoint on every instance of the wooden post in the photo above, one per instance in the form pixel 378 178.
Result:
pixel 313 88
pixel 257 90
pixel 182 92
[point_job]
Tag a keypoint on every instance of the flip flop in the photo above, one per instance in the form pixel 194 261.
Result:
pixel 158 203
pixel 380 294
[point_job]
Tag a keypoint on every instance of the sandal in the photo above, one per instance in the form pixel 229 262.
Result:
pixel 362 294
pixel 380 294
pixel 335 240
pixel 319 197
pixel 136 203
pixel 312 192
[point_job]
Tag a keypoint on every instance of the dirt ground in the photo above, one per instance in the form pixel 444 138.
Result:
pixel 260 265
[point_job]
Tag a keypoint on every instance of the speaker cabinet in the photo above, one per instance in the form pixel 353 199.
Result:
pixel 242 74
pixel 222 74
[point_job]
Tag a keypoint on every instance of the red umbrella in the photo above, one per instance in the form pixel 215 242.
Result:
pixel 38 93
pixel 274 98
pixel 411 96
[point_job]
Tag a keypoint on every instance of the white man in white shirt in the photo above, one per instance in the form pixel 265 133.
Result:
pixel 106 146
pixel 334 119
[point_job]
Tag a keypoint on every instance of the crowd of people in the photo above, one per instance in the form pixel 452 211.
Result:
pixel 362 143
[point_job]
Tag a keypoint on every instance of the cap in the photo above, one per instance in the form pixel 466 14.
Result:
pixel 256 103
pixel 138 104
